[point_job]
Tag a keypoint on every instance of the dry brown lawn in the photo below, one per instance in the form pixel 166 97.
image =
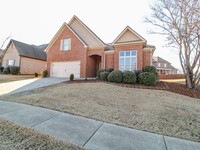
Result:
pixel 181 81
pixel 15 137
pixel 9 78
pixel 150 110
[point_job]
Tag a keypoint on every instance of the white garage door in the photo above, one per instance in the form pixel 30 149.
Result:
pixel 64 69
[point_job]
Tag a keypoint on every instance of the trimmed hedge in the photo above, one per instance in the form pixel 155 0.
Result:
pixel 147 78
pixel 8 69
pixel 129 77
pixel 5 71
pixel 36 74
pixel 104 75
pixel 151 69
pixel 109 69
pixel 137 73
pixel 14 70
pixel 71 77
pixel 44 73
pixel 115 76
pixel 1 69
pixel 98 73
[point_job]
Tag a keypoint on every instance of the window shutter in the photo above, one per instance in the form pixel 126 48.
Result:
pixel 61 44
pixel 69 44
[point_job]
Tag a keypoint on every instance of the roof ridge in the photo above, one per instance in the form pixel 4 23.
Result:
pixel 94 34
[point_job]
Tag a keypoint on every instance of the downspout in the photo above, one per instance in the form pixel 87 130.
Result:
pixel 104 59
pixel 20 64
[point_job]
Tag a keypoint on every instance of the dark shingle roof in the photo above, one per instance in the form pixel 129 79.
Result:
pixel 109 46
pixel 150 46
pixel 159 59
pixel 31 51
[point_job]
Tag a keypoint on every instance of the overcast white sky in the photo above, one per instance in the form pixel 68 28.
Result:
pixel 37 21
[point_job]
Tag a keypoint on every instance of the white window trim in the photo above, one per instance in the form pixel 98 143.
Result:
pixel 11 60
pixel 62 44
pixel 128 57
pixel 158 64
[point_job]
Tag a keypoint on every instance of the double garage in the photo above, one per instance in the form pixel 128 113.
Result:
pixel 64 69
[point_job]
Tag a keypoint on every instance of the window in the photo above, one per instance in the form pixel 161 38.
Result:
pixel 11 62
pixel 65 44
pixel 165 65
pixel 128 60
pixel 158 64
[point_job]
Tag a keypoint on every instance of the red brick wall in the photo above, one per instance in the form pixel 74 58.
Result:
pixel 128 47
pixel 171 76
pixel 146 58
pixel 77 52
pixel 109 60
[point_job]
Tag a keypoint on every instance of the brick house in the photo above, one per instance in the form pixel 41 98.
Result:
pixel 163 66
pixel 30 58
pixel 1 56
pixel 77 49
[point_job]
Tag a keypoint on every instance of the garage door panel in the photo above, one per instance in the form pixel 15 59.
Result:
pixel 64 69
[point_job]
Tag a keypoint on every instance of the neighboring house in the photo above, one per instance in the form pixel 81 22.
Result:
pixel 75 49
pixel 29 58
pixel 1 55
pixel 163 66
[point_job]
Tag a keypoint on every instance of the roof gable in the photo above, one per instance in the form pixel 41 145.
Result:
pixel 32 51
pixel 59 32
pixel 128 35
pixel 85 33
pixel 159 59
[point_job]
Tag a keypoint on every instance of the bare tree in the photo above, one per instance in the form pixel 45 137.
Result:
pixel 1 48
pixel 179 21
pixel 4 41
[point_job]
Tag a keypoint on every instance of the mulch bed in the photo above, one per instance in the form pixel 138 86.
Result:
pixel 183 90
pixel 167 86
pixel 158 86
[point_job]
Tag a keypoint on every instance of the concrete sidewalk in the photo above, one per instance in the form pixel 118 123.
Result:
pixel 28 84
pixel 89 133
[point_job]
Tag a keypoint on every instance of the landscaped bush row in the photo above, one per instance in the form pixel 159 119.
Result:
pixel 147 76
pixel 10 70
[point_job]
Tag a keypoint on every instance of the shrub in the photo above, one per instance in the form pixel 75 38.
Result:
pixel 36 74
pixel 151 69
pixel 71 77
pixel 8 69
pixel 14 70
pixel 115 76
pixel 109 69
pixel 129 77
pixel 147 78
pixel 104 75
pixel 98 73
pixel 5 71
pixel 137 73
pixel 44 73
pixel 1 69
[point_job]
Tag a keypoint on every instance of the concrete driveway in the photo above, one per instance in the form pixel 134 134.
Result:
pixel 29 84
